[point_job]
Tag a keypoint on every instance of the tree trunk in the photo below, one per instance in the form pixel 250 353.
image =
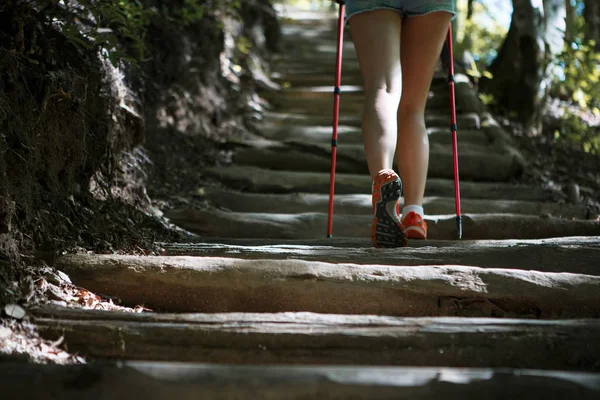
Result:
pixel 591 15
pixel 569 22
pixel 470 9
pixel 519 84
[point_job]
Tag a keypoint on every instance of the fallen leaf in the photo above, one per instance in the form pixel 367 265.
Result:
pixel 4 332
pixel 64 276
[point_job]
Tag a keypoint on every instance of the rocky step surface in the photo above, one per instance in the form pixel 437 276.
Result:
pixel 437 136
pixel 297 117
pixel 577 255
pixel 477 163
pixel 308 338
pixel 261 180
pixel 319 103
pixel 225 284
pixel 360 204
pixel 224 224
pixel 188 381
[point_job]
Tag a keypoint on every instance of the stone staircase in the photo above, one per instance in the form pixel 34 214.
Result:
pixel 262 305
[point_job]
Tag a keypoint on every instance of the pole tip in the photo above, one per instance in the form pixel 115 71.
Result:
pixel 459 227
pixel 329 236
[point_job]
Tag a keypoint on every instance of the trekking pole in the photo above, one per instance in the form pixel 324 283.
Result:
pixel 336 112
pixel 453 128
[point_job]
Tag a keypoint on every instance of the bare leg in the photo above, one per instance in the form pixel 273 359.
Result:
pixel 376 36
pixel 422 41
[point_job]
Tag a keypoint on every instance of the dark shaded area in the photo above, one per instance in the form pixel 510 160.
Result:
pixel 60 128
pixel 73 173
pixel 194 100
pixel 159 380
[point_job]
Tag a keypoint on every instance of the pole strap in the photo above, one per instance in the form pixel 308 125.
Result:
pixel 453 127
pixel 337 90
pixel 334 142
pixel 451 78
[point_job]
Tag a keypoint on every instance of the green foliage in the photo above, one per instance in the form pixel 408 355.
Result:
pixel 118 27
pixel 481 36
pixel 577 82
pixel 486 98
pixel 574 130
pixel 578 75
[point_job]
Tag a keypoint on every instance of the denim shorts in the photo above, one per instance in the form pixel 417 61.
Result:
pixel 408 8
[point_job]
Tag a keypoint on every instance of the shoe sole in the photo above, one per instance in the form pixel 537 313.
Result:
pixel 385 231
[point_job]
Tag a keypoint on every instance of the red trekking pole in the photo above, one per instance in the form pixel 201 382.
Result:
pixel 336 112
pixel 449 58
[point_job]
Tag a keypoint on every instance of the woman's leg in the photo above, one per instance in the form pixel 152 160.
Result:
pixel 376 36
pixel 422 41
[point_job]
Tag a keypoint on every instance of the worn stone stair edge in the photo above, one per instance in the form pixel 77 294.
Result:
pixel 211 284
pixel 229 224
pixel 462 278
pixel 261 180
pixel 346 134
pixel 360 204
pixel 307 338
pixel 465 120
pixel 319 322
pixel 479 167
pixel 363 244
pixel 300 155
pixel 575 255
pixel 485 165
pixel 185 381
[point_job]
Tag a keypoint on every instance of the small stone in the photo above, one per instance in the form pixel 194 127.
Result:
pixel 105 246
pixel 573 194
pixel 15 311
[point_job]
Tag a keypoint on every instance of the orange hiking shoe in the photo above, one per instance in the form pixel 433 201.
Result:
pixel 415 226
pixel 386 229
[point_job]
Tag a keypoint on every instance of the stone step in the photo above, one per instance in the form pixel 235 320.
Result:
pixel 164 380
pixel 577 255
pixel 307 78
pixel 349 93
pixel 259 180
pixel 360 204
pixel 323 31
pixel 212 285
pixel 352 103
pixel 317 66
pixel 354 151
pixel 223 224
pixel 439 87
pixel 324 79
pixel 307 338
pixel 310 55
pixel 353 135
pixel 476 163
pixel 464 121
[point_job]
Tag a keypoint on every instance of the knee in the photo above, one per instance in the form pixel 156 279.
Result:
pixel 383 98
pixel 407 110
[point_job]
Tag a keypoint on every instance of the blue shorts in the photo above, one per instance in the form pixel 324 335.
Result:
pixel 408 8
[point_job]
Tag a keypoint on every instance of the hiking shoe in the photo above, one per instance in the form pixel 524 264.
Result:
pixel 387 229
pixel 415 226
